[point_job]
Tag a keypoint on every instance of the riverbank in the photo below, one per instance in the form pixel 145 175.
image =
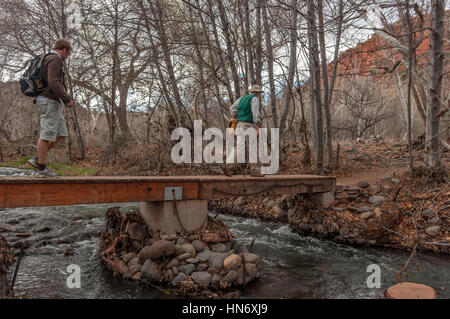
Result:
pixel 399 213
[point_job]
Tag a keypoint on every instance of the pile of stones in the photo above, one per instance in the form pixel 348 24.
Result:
pixel 204 260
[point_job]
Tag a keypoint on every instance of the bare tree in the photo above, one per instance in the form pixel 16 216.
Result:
pixel 315 84
pixel 432 151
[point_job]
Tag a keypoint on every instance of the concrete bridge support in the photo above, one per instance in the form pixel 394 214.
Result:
pixel 175 216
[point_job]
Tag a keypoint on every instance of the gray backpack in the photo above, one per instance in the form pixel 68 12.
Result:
pixel 32 83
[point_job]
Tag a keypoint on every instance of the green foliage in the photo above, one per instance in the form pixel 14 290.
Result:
pixel 16 164
pixel 72 170
pixel 61 169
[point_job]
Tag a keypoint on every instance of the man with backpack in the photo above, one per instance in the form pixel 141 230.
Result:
pixel 51 103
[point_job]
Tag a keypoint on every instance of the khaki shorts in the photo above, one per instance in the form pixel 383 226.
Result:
pixel 53 124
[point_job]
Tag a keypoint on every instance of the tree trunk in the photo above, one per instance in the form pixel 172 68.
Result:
pixel 315 76
pixel 213 71
pixel 411 54
pixel 326 100
pixel 230 54
pixel 292 66
pixel 158 16
pixel 273 98
pixel 432 154
pixel 258 54
pixel 219 50
pixel 249 44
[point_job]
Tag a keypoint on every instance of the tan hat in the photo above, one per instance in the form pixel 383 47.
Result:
pixel 256 88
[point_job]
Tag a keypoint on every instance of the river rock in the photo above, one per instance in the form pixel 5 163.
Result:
pixel 204 255
pixel 278 211
pixel 184 256
pixel 218 248
pixel 232 261
pixel 170 274
pixel 230 277
pixel 363 209
pixel 427 213
pixel 251 272
pixel 150 271
pixel 179 278
pixel 127 257
pixel 395 181
pixel 377 199
pixel 435 220
pixel 137 231
pixel 199 245
pixel 201 278
pixel 181 241
pixel 433 230
pixel 187 269
pixel 174 270
pixel 156 250
pixel 240 276
pixel 133 261
pixel 173 262
pixel 192 260
pixel 137 276
pixel 202 267
pixel 189 248
pixel 377 212
pixel 191 238
pixel 240 201
pixel 130 272
pixel 229 245
pixel 387 179
pixel 409 290
pixel 215 260
pixel 215 281
pixel 251 258
pixel 178 250
pixel 366 215
pixel 362 184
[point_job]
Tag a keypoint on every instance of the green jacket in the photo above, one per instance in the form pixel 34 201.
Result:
pixel 245 108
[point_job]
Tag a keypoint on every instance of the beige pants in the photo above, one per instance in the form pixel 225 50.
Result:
pixel 241 168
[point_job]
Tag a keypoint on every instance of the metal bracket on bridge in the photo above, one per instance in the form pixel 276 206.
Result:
pixel 169 191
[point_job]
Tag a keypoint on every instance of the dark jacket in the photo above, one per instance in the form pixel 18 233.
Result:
pixel 53 73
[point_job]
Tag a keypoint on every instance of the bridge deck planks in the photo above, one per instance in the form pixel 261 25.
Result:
pixel 32 191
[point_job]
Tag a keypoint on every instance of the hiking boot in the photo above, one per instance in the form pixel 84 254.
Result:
pixel 33 162
pixel 45 173
pixel 256 174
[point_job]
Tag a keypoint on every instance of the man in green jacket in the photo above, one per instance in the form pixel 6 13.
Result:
pixel 247 111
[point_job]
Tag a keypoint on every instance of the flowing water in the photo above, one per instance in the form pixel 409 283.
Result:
pixel 293 266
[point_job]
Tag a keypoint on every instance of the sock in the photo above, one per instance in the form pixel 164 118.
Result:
pixel 41 167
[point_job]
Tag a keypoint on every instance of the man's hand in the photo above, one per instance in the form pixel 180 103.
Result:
pixel 70 104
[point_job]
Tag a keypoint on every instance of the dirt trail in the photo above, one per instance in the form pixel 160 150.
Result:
pixel 371 176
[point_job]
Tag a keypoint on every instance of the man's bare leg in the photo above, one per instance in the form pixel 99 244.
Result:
pixel 44 146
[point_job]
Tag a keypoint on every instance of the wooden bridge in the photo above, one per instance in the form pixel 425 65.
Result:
pixel 161 197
